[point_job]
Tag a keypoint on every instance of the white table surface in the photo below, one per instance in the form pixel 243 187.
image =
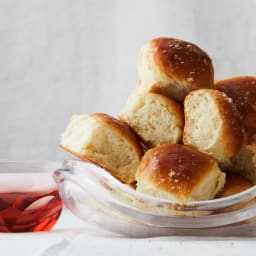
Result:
pixel 72 237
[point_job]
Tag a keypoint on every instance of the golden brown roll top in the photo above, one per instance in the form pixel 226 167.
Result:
pixel 212 124
pixel 174 67
pixel 242 90
pixel 106 141
pixel 179 173
pixel 155 118
pixel 234 184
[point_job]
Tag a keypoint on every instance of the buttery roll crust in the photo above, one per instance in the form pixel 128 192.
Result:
pixel 155 118
pixel 242 90
pixel 105 141
pixel 234 184
pixel 212 124
pixel 174 67
pixel 244 162
pixel 179 173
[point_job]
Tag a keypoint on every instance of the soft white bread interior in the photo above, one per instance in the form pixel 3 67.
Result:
pixel 242 90
pixel 212 124
pixel 106 141
pixel 155 118
pixel 174 67
pixel 234 184
pixel 179 173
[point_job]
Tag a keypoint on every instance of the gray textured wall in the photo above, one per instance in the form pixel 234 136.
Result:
pixel 60 57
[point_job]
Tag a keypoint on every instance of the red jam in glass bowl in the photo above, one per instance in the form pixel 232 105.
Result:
pixel 29 198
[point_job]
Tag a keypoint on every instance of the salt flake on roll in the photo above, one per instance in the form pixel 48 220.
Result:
pixel 174 67
pixel 179 173
pixel 242 90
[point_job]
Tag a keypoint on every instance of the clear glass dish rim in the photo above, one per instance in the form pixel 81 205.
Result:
pixel 213 204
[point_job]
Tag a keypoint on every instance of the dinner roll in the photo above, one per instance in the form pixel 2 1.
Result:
pixel 106 141
pixel 234 184
pixel 179 173
pixel 155 118
pixel 174 67
pixel 242 90
pixel 244 162
pixel 212 124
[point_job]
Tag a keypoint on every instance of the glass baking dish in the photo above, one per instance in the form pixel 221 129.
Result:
pixel 99 199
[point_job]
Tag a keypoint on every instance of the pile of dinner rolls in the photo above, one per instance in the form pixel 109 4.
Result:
pixel 180 136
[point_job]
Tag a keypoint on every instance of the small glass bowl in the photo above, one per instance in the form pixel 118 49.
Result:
pixel 29 197
pixel 99 199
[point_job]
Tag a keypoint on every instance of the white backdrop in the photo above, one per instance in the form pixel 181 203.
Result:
pixel 60 57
